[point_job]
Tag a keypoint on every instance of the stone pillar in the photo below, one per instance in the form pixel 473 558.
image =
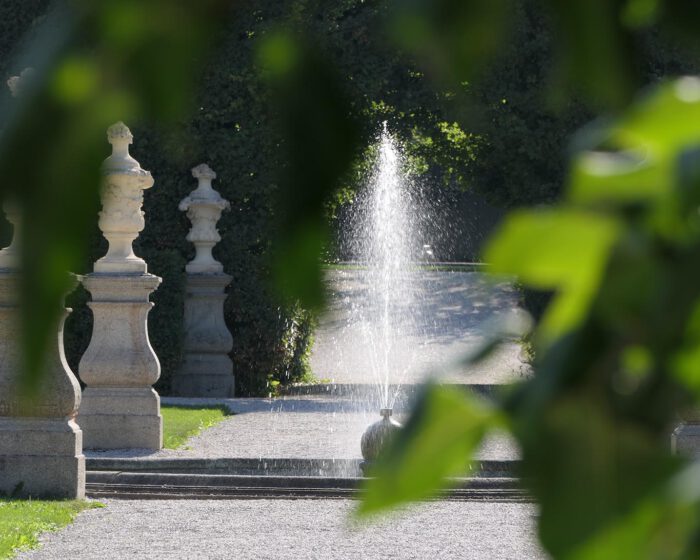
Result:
pixel 41 446
pixel 120 408
pixel 207 370
pixel 685 439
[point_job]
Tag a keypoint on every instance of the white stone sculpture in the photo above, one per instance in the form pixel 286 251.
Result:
pixel 204 206
pixel 120 408
pixel 207 370
pixel 17 84
pixel 685 439
pixel 41 447
pixel 122 219
pixel 9 256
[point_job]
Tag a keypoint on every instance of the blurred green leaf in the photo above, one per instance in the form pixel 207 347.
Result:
pixel 453 38
pixel 297 263
pixel 438 441
pixel 685 363
pixel 620 177
pixel 593 422
pixel 75 79
pixel 604 465
pixel 564 250
pixel 654 162
pixel 664 527
pixel 595 50
pixel 654 531
pixel 320 143
pixel 663 121
pixel 279 55
pixel 640 13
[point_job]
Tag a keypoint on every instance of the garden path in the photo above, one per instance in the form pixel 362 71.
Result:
pixel 293 530
pixel 454 312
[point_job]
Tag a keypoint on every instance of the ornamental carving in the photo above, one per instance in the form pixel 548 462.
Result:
pixel 204 206
pixel 122 217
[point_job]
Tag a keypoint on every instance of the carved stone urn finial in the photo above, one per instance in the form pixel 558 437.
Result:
pixel 204 206
pixel 205 175
pixel 120 137
pixel 122 219
pixel 9 256
pixel 18 83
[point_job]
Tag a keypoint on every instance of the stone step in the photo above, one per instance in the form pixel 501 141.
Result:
pixel 285 467
pixel 145 485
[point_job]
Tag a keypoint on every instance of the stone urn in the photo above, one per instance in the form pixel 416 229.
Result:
pixel 378 436
pixel 120 408
pixel 207 369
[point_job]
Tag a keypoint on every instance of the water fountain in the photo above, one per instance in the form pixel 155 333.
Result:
pixel 384 238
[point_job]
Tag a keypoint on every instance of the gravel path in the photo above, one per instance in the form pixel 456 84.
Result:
pixel 293 530
pixel 447 322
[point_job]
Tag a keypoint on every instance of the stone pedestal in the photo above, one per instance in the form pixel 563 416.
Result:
pixel 207 370
pixel 41 446
pixel 685 439
pixel 41 458
pixel 120 408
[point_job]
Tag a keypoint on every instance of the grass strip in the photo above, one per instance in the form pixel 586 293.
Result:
pixel 23 521
pixel 182 422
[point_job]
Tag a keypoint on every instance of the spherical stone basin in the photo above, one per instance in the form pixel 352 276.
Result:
pixel 379 435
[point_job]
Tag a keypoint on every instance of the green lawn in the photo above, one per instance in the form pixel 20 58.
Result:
pixel 22 521
pixel 183 422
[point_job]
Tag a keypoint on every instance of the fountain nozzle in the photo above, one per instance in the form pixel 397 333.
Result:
pixel 378 436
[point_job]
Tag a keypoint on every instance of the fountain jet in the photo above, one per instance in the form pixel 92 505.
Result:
pixel 387 242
